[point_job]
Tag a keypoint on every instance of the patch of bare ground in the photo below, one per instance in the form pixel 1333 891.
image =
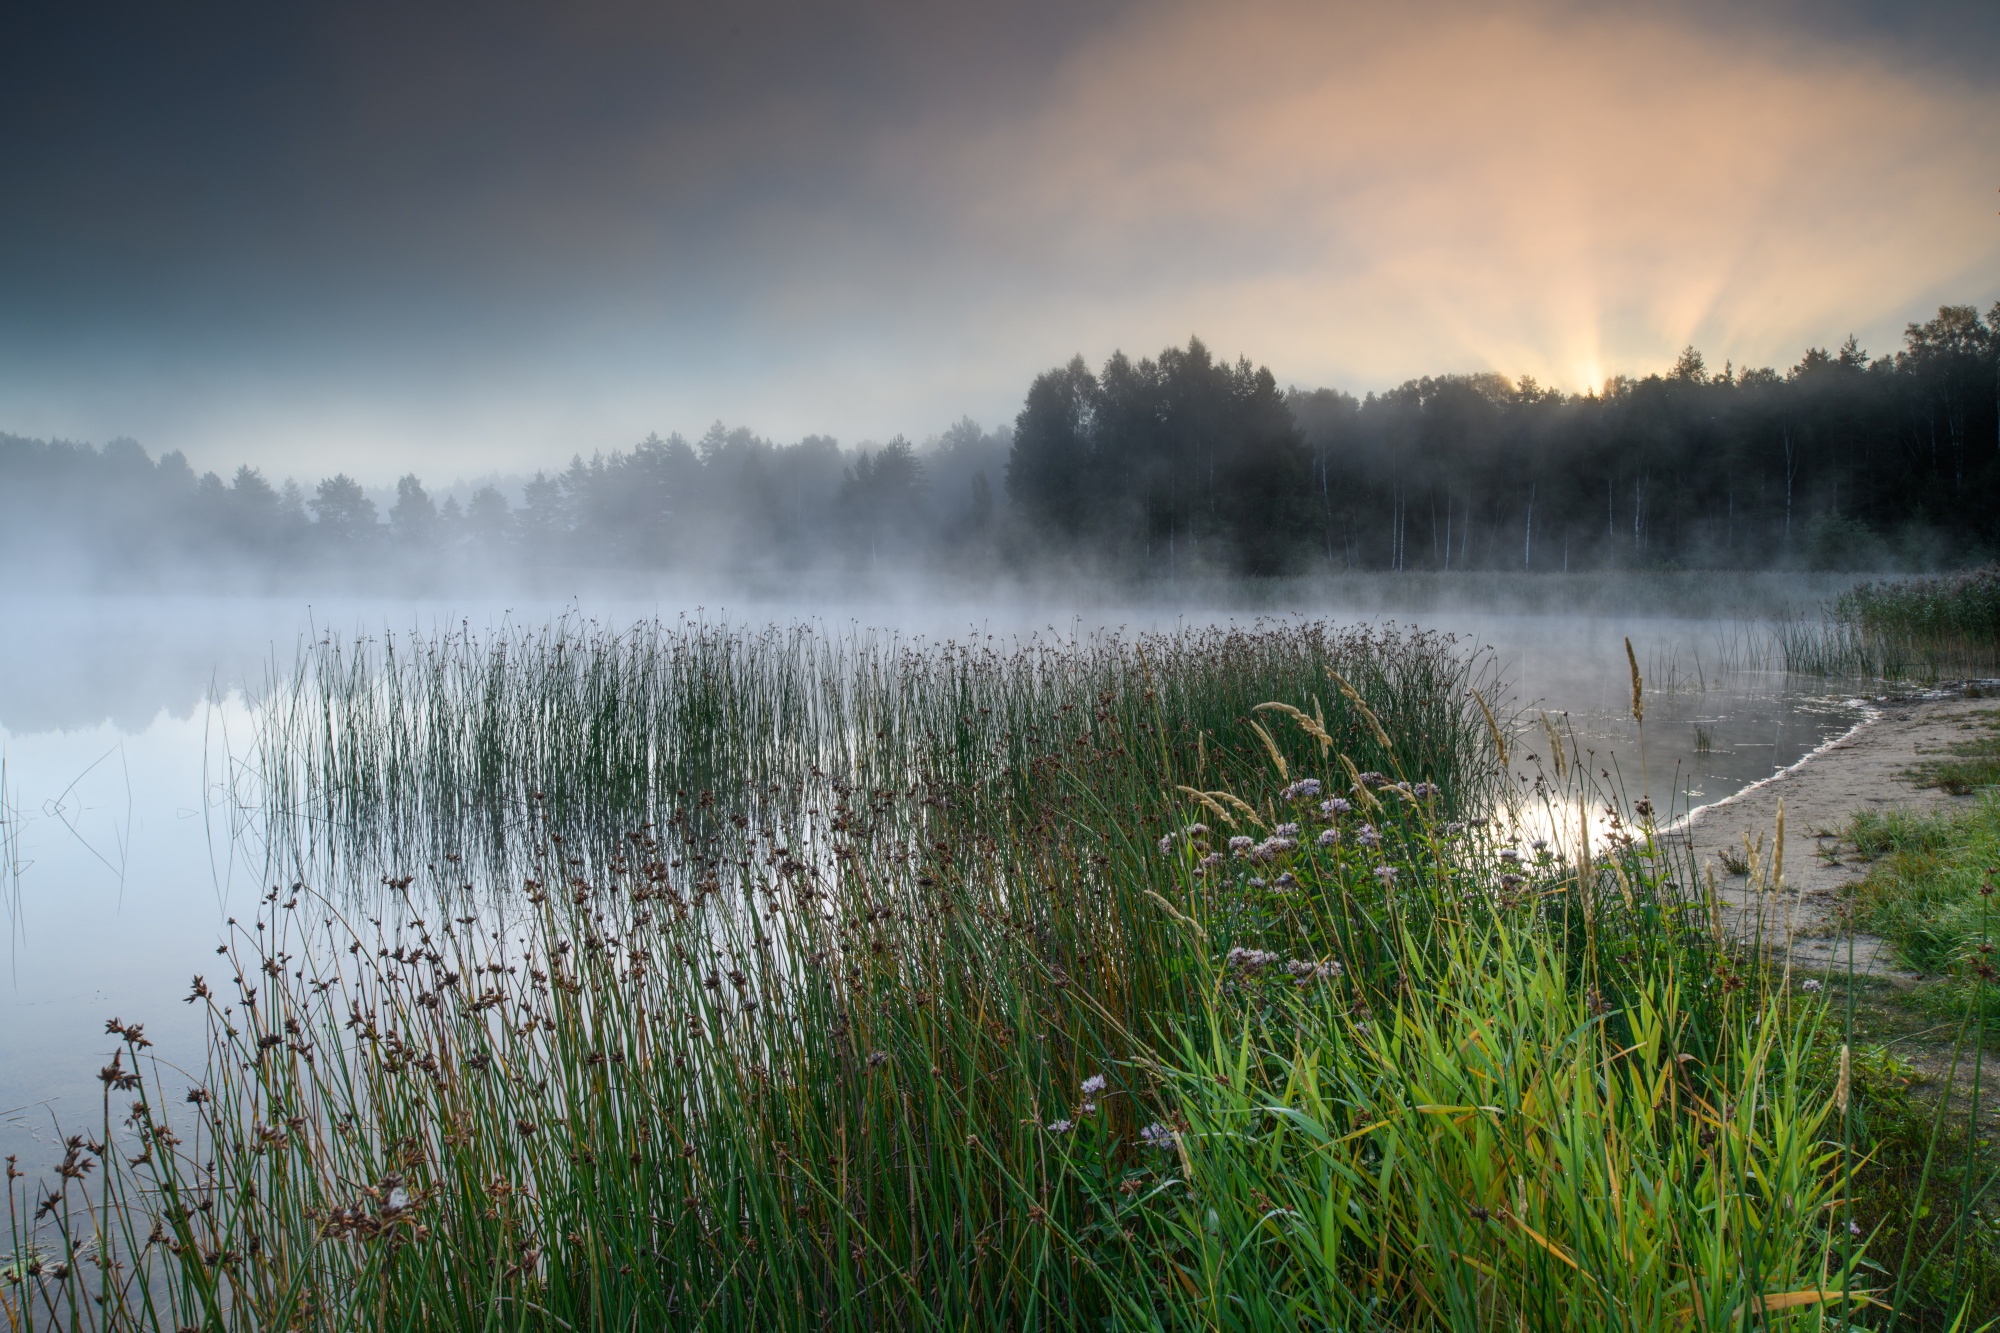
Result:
pixel 1866 769
pixel 1869 768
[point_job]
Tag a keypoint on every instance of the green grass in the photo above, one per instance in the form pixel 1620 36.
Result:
pixel 1929 1184
pixel 1967 765
pixel 1923 629
pixel 817 983
pixel 1928 891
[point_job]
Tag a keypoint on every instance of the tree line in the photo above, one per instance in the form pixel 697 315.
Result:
pixel 1157 468
pixel 1841 462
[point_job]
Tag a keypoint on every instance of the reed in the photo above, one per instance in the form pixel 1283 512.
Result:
pixel 1913 629
pixel 388 744
pixel 839 981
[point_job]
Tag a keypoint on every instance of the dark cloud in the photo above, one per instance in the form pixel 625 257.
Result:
pixel 524 228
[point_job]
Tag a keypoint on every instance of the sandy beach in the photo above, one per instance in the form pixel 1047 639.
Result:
pixel 1864 769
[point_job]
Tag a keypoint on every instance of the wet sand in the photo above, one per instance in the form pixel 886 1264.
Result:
pixel 1861 770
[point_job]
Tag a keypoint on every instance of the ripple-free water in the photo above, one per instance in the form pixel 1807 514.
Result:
pixel 123 722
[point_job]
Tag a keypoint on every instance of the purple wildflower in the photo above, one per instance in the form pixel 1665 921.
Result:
pixel 1249 961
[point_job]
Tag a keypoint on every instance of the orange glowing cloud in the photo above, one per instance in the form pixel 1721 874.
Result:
pixel 1361 195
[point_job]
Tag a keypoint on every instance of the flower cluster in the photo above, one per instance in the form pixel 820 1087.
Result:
pixel 1191 832
pixel 1271 848
pixel 1157 1135
pixel 1302 790
pixel 1250 961
pixel 1303 971
pixel 1335 806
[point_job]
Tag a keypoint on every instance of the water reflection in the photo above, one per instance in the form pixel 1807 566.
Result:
pixel 128 749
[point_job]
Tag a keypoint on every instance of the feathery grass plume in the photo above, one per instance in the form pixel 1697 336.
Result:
pixel 1624 886
pixel 1367 714
pixel 1556 747
pixel 1271 748
pixel 1243 807
pixel 1360 790
pixel 1311 726
pixel 1213 806
pixel 1638 686
pixel 1492 728
pixel 1178 915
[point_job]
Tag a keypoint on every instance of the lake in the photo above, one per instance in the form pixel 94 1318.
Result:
pixel 125 725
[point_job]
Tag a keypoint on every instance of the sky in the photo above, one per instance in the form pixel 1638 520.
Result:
pixel 461 238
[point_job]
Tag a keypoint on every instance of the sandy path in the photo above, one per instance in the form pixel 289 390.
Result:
pixel 1861 770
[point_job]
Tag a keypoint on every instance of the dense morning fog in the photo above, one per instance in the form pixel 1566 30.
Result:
pixel 1048 666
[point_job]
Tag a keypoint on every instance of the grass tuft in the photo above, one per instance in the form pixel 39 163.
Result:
pixel 689 977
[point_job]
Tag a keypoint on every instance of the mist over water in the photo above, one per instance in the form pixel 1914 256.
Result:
pixel 128 728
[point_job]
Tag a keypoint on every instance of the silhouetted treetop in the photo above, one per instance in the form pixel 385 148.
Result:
pixel 1156 467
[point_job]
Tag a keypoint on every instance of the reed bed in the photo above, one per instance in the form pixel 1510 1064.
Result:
pixel 850 983
pixel 1915 629
pixel 381 747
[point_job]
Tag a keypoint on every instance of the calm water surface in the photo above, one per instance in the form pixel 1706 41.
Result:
pixel 122 724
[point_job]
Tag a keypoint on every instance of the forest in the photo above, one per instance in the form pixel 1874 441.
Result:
pixel 1178 465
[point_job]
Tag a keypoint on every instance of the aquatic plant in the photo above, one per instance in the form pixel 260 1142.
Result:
pixel 1921 629
pixel 992 990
